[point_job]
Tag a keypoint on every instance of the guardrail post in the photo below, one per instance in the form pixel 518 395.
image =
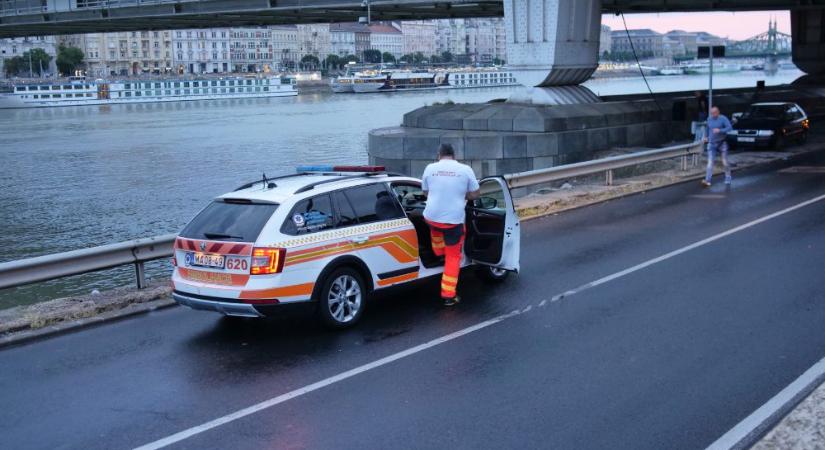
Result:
pixel 685 163
pixel 140 274
pixel 609 178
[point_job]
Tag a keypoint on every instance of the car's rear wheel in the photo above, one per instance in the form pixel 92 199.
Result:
pixel 492 274
pixel 341 298
pixel 803 137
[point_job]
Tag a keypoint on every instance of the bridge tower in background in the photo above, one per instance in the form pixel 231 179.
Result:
pixel 808 45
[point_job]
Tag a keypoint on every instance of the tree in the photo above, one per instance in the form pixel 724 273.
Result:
pixel 19 65
pixel 418 57
pixel 68 59
pixel 408 58
pixel 499 62
pixel 333 62
pixel 351 58
pixel 388 57
pixel 372 56
pixel 435 59
pixel 310 62
pixel 13 66
pixel 446 57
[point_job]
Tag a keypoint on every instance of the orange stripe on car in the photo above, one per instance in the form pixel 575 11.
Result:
pixel 202 276
pixel 396 244
pixel 286 291
pixel 398 279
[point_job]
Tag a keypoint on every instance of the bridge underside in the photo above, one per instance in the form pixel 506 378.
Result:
pixel 30 18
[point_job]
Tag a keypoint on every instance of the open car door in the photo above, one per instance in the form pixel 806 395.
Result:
pixel 493 233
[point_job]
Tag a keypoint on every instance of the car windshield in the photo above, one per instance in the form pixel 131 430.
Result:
pixel 765 112
pixel 235 221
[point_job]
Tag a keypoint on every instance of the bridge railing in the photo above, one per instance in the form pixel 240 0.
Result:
pixel 139 251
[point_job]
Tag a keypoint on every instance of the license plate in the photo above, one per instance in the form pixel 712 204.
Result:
pixel 205 260
pixel 747 139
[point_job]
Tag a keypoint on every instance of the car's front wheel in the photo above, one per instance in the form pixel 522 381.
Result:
pixel 341 298
pixel 492 274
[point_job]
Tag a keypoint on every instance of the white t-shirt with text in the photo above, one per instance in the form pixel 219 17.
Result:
pixel 447 182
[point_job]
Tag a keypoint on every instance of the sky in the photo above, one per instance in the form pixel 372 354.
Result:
pixel 738 26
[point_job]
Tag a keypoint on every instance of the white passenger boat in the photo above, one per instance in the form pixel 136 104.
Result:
pixel 405 80
pixel 77 91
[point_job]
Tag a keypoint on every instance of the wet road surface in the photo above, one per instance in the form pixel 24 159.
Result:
pixel 670 356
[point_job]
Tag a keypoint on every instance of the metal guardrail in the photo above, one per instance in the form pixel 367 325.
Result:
pixel 139 251
pixel 76 262
pixel 687 152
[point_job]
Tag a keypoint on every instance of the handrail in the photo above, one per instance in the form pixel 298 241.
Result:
pixel 607 165
pixel 139 251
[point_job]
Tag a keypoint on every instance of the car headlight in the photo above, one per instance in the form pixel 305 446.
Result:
pixel 765 132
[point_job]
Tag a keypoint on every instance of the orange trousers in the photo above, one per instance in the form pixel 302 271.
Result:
pixel 452 257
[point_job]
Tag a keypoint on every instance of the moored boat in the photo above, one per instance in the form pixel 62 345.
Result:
pixel 77 91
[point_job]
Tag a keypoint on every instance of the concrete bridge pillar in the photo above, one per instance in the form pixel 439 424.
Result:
pixel 808 33
pixel 552 42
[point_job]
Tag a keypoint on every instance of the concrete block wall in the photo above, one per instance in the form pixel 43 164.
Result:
pixel 501 138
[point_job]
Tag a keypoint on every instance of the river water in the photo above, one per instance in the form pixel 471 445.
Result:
pixel 78 177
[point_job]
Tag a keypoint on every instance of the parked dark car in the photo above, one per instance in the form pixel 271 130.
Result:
pixel 769 125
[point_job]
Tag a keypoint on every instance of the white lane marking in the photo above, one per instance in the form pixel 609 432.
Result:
pixel 766 412
pixel 690 247
pixel 527 309
pixel 177 437
pixel 543 302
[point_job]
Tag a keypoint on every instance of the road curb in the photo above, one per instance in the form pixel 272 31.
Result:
pixel 687 179
pixel 31 335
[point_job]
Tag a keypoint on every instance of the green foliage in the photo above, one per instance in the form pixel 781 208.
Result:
pixel 351 58
pixel 333 62
pixel 418 57
pixel 388 57
pixel 69 59
pixel 499 62
pixel 435 59
pixel 446 57
pixel 19 65
pixel 310 62
pixel 372 56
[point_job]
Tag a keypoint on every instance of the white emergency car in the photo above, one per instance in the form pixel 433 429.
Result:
pixel 328 236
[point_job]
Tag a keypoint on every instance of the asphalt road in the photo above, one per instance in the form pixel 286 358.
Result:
pixel 669 356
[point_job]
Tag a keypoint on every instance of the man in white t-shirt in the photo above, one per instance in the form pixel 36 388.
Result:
pixel 448 185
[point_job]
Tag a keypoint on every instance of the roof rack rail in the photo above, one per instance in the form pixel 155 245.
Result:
pixel 281 177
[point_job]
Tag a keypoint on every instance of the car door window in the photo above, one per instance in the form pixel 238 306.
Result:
pixel 410 196
pixel 373 203
pixel 310 216
pixel 346 215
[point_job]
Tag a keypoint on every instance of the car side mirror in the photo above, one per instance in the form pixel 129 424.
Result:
pixel 486 203
pixel 735 117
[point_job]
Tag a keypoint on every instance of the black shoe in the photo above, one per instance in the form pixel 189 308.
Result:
pixel 451 301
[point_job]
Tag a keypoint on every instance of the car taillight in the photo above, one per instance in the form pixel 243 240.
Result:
pixel 806 123
pixel 267 260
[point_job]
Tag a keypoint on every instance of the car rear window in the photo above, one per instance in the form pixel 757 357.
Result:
pixel 235 221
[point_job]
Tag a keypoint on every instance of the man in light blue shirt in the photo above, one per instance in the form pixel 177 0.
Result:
pixel 716 137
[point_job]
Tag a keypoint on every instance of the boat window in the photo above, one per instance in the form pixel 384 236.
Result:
pixel 177 91
pixel 138 93
pixel 157 93
pixel 35 95
pixel 128 86
pixel 88 94
pixel 168 92
pixel 266 88
pixel 223 83
pixel 157 85
pixel 127 94
pixel 186 91
pixel 177 85
pixel 186 84
pixel 55 88
pixel 44 88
